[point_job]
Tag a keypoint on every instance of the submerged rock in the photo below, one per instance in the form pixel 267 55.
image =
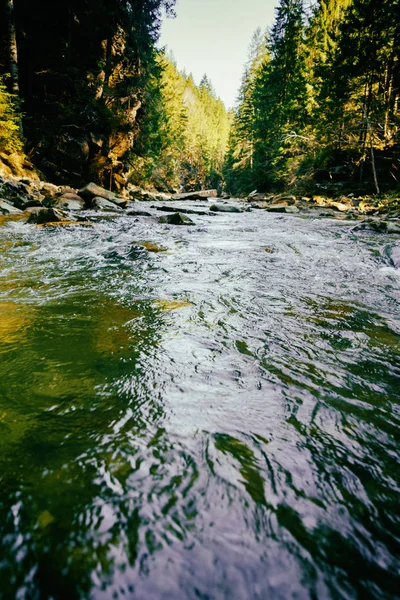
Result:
pixel 176 219
pixel 150 247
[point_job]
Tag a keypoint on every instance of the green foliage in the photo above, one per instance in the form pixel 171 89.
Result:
pixel 320 96
pixel 10 139
pixel 190 128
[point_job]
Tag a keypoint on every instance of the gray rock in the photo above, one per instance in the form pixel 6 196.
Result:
pixel 225 208
pixel 103 204
pixel 293 210
pixel 395 257
pixel 195 195
pixel 393 227
pixel 39 216
pixel 70 201
pixel 91 190
pixel 186 211
pixel 49 189
pixel 8 209
pixel 138 213
pixel 176 219
pixel 278 208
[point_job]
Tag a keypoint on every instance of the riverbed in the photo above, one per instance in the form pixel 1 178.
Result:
pixel 199 412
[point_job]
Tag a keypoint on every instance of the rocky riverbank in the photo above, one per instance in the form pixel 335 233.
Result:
pixel 44 203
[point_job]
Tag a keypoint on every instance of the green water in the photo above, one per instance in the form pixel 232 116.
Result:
pixel 213 421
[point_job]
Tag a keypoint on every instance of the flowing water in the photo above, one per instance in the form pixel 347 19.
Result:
pixel 219 420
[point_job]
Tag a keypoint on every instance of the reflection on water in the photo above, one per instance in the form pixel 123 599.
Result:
pixel 213 421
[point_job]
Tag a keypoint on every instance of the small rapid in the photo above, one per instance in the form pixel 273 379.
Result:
pixel 199 412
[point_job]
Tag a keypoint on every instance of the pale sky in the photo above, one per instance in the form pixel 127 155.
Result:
pixel 213 36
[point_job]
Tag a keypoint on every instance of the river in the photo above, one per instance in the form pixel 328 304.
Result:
pixel 219 420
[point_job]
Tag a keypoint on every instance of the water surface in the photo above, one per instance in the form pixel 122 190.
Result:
pixel 219 420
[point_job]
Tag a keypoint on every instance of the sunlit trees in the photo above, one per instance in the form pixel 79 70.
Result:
pixel 326 103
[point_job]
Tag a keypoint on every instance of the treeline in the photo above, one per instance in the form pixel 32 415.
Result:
pixel 93 99
pixel 190 143
pixel 319 101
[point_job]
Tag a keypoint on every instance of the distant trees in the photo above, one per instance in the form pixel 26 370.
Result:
pixel 321 99
pixel 193 132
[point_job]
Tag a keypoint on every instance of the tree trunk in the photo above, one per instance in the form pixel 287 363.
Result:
pixel 12 47
pixel 13 54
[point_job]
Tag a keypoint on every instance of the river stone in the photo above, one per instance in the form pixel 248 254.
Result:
pixel 70 201
pixel 278 208
pixel 49 189
pixel 176 219
pixel 9 209
pixel 225 208
pixel 186 211
pixel 92 190
pixel 138 213
pixel 39 216
pixel 395 256
pixel 393 227
pixel 103 204
pixel 195 195
pixel 293 210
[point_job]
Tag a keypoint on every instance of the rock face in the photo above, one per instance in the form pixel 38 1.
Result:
pixel 176 219
pixel 8 209
pixel 92 190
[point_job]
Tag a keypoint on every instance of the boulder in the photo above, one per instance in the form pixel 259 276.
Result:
pixel 292 210
pixel 40 216
pixel 103 204
pixel 138 213
pixel 393 227
pixel 186 211
pixel 288 199
pixel 49 189
pixel 340 206
pixel 70 201
pixel 277 208
pixel 225 208
pixel 92 190
pixel 9 209
pixel 66 189
pixel 395 257
pixel 201 194
pixel 176 219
